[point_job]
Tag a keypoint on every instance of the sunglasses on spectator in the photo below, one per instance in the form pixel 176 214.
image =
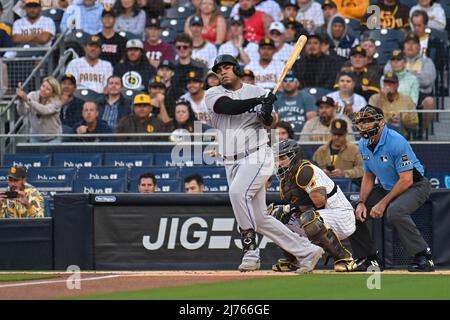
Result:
pixel 182 47
pixel 289 79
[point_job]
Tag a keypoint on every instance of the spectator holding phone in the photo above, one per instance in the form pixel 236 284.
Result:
pixel 21 200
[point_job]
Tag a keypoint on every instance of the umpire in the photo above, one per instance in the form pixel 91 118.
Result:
pixel 403 189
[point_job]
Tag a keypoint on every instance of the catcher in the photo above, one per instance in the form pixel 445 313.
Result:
pixel 317 208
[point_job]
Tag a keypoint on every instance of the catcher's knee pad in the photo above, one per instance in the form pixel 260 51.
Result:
pixel 319 234
pixel 248 238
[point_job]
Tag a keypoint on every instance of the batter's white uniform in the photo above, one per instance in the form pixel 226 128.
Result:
pixel 266 77
pixel 90 77
pixel 338 213
pixel 241 134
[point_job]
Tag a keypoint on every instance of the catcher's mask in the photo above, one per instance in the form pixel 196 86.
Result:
pixel 368 114
pixel 289 148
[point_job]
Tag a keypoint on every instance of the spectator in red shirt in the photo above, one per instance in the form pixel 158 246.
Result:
pixel 155 49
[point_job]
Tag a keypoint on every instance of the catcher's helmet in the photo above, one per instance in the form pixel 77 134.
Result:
pixel 290 148
pixel 227 59
pixel 368 114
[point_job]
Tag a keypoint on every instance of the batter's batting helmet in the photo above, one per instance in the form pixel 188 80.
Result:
pixel 227 59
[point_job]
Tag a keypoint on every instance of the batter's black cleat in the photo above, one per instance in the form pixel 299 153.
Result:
pixel 422 262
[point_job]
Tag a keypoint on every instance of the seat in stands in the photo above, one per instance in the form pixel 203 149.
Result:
pixel 216 185
pixel 98 186
pixel 77 160
pixel 162 186
pixel 27 160
pixel 103 173
pixel 128 159
pixel 52 174
pixel 161 173
pixel 207 172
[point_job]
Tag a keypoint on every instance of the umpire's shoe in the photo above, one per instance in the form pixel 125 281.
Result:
pixel 369 263
pixel 422 262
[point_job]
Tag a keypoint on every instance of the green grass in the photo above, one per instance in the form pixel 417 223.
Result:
pixel 302 287
pixel 24 277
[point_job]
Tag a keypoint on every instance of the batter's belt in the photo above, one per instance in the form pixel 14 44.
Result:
pixel 241 155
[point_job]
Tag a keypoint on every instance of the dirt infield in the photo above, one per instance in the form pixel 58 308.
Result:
pixel 109 282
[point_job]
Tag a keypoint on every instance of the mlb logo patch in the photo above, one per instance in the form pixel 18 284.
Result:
pixel 405 157
pixel 384 158
pixel 365 157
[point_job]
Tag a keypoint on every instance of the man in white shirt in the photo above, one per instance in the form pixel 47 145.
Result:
pixel 266 69
pixel 34 28
pixel 203 51
pixel 90 71
pixel 196 95
pixel 346 100
pixel 276 33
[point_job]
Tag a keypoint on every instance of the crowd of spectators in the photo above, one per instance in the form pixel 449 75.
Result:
pixel 125 50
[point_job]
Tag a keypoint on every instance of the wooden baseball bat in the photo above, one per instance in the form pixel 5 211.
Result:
pixel 294 55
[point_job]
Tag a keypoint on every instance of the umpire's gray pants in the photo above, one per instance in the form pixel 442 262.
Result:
pixel 398 214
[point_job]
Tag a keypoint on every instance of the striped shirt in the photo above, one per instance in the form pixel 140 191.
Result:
pixel 26 28
pixel 266 77
pixel 205 54
pixel 110 113
pixel 90 77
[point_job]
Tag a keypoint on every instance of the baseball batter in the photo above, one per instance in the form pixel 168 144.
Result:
pixel 240 112
pixel 318 209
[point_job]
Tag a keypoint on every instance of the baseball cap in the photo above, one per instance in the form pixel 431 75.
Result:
pixel 194 75
pixel 291 21
pixel 166 64
pixel 156 82
pixel 338 126
pixel 94 40
pixel 390 77
pixel 357 50
pixel 142 98
pixel 153 22
pixel 17 172
pixel 108 11
pixel 248 73
pixel 397 55
pixel 196 21
pixel 278 26
pixel 338 20
pixel 290 3
pixel 32 2
pixel 412 37
pixel 70 77
pixel 266 41
pixel 290 75
pixel 237 19
pixel 325 100
pixel 316 36
pixel 135 43
pixel 328 3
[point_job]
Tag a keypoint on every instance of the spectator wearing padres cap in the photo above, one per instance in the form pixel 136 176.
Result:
pixel 34 28
pixel 113 44
pixel 289 9
pixel 318 128
pixel 266 69
pixel 239 47
pixel 157 91
pixel 338 158
pixel 315 69
pixel 155 49
pixel 90 71
pixel 203 51
pixel 24 201
pixel 71 106
pixel 130 18
pixel 367 80
pixel 329 10
pixel 391 102
pixel 196 95
pixel 408 83
pixel 166 71
pixel 135 70
pixel 294 29
pixel 142 120
pixel 248 77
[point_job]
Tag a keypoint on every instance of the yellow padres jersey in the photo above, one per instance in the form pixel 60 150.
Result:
pixel 12 208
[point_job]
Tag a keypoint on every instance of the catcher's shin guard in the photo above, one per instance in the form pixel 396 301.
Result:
pixel 320 234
